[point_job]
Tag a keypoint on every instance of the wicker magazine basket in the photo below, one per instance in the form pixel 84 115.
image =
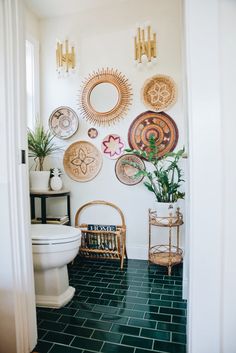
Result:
pixel 102 241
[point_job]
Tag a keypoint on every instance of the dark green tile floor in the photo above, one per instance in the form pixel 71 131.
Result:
pixel 135 310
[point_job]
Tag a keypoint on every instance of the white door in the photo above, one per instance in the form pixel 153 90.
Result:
pixel 17 300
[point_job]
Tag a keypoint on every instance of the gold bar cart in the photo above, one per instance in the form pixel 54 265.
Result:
pixel 165 254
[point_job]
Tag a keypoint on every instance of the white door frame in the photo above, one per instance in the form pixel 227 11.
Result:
pixel 205 171
pixel 202 55
pixel 18 330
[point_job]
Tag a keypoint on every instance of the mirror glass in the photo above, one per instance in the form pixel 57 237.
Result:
pixel 104 97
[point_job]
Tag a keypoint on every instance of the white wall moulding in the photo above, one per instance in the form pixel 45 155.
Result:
pixel 205 143
pixel 18 316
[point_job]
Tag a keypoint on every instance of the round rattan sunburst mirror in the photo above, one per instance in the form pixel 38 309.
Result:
pixel 105 97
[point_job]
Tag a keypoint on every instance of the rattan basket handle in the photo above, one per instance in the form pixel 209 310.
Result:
pixel 98 202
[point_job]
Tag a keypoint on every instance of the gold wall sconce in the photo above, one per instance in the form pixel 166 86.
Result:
pixel 145 44
pixel 65 58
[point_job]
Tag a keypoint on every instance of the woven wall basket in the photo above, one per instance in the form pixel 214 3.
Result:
pixel 159 93
pixel 82 161
pixel 159 125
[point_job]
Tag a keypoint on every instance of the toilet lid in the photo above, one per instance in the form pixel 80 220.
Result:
pixel 51 234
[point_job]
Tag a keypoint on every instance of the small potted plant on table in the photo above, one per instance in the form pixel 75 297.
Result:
pixel 40 145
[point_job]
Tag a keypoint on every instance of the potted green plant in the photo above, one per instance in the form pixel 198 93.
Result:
pixel 40 145
pixel 164 178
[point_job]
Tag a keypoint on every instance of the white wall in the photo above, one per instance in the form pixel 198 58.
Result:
pixel 228 79
pixel 31 23
pixel 104 39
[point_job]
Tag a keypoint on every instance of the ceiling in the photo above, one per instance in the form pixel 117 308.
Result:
pixel 54 8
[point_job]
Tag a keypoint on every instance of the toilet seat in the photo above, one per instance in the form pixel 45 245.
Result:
pixel 49 234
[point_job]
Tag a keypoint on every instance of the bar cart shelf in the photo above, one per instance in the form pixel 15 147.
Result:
pixel 166 254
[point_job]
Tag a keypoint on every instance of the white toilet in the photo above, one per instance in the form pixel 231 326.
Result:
pixel 54 246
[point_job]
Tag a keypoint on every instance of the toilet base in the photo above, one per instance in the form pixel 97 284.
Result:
pixel 55 301
pixel 52 287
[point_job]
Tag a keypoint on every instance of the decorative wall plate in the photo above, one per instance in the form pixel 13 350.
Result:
pixel 113 146
pixel 92 133
pixel 159 93
pixel 161 125
pixel 82 161
pixel 105 97
pixel 63 122
pixel 125 173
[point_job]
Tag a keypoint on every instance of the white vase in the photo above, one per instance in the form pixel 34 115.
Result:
pixel 165 209
pixel 56 183
pixel 39 180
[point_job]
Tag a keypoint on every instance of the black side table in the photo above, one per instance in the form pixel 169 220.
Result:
pixel 43 197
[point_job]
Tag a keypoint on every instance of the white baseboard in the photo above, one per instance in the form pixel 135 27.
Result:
pixel 137 252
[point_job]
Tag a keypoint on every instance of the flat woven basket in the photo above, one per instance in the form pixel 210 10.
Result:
pixel 159 93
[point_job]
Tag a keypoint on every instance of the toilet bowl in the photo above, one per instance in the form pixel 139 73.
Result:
pixel 54 246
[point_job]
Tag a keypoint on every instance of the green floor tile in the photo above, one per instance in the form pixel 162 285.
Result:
pixel 64 349
pixel 142 323
pixel 137 341
pixel 52 326
pixel 179 319
pixel 82 306
pixel 135 300
pixel 106 309
pixel 43 347
pixel 146 307
pixel 157 317
pixel 41 315
pixel 102 325
pixel 87 343
pixel 88 314
pixel 178 337
pixel 78 331
pixel 130 330
pixel 159 335
pixel 131 313
pixel 67 311
pixel 71 320
pixel 124 304
pixel 171 327
pixel 169 347
pixel 98 301
pixel 41 333
pixel 117 311
pixel 58 337
pixel 115 318
pixel 116 348
pixel 107 336
pixel 172 311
